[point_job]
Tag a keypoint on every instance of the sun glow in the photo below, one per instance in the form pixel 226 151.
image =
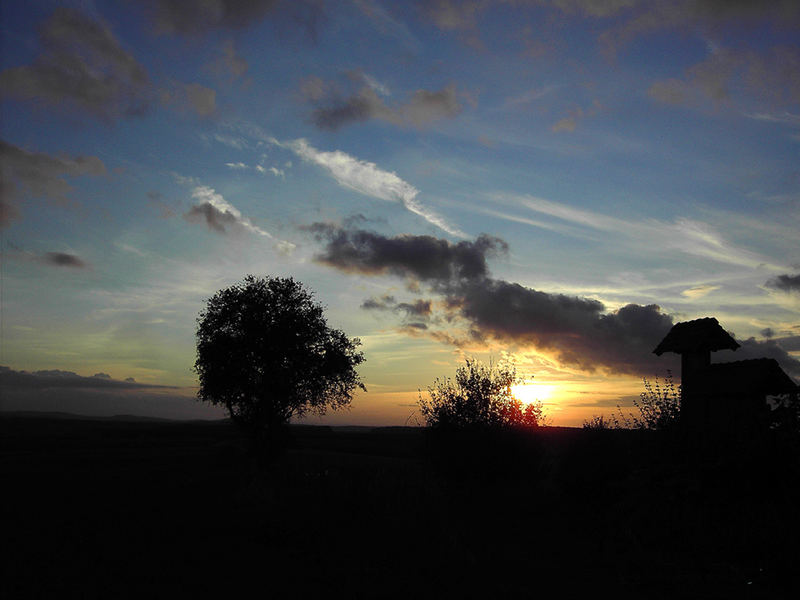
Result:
pixel 531 392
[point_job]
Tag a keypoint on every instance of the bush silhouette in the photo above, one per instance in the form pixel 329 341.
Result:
pixel 480 397
pixel 265 353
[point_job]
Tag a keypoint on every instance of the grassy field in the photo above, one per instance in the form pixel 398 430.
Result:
pixel 122 508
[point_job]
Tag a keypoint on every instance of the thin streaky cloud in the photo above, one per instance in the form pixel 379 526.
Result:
pixel 370 180
pixel 685 235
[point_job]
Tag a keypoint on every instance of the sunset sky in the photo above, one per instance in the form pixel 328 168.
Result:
pixel 553 182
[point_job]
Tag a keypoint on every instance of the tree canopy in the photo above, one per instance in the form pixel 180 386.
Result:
pixel 265 353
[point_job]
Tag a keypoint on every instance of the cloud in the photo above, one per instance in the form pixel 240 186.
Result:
pixel 420 309
pixel 699 291
pixel 229 65
pixel 452 15
pixel 62 259
pixel 204 16
pixel 709 17
pixel 237 166
pixel 99 395
pixel 421 108
pixel 418 257
pixel 194 97
pixel 82 64
pixel 176 16
pixel 11 379
pixel 790 343
pixel 565 124
pixel 787 283
pixel 366 178
pixel 771 77
pixel 221 216
pixel 39 175
pixel 752 348
pixel 577 330
pixel 682 235
pixel 218 214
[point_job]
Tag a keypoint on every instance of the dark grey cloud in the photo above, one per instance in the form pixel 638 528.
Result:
pixel 421 108
pixel 421 257
pixel 753 348
pixel 790 343
pixel 419 309
pixel 11 379
pixel 200 16
pixel 450 15
pixel 383 303
pixel 39 175
pixel 787 283
pixel 577 330
pixel 62 259
pixel 711 17
pixel 83 64
pixel 98 395
pixel 771 77
pixel 221 221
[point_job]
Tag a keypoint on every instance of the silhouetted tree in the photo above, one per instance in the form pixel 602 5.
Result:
pixel 480 396
pixel 266 354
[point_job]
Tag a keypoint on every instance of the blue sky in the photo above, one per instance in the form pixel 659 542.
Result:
pixel 551 182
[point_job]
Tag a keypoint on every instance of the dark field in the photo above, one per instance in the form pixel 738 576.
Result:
pixel 111 508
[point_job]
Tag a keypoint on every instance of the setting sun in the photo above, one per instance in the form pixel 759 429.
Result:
pixel 531 392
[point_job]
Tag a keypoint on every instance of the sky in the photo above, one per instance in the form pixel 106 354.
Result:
pixel 552 183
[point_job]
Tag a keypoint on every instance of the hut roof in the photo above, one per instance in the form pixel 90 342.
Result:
pixel 760 376
pixel 700 334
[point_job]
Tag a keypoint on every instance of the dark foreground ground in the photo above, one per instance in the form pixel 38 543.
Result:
pixel 121 509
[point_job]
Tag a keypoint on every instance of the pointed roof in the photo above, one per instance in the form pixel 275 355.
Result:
pixel 700 334
pixel 761 376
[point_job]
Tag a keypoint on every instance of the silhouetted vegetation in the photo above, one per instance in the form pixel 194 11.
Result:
pixel 659 406
pixel 114 509
pixel 480 397
pixel 265 353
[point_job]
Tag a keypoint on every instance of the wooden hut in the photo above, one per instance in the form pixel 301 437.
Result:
pixel 731 396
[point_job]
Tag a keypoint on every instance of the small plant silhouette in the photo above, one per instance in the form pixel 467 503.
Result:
pixel 659 406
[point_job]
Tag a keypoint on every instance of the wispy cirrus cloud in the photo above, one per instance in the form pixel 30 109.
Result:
pixel 367 178
pixel 682 235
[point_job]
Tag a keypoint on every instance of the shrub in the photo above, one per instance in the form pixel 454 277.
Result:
pixel 659 406
pixel 480 397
